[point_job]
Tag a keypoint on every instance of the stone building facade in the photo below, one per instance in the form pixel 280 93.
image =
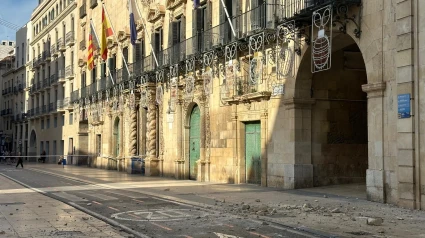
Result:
pixel 51 128
pixel 282 93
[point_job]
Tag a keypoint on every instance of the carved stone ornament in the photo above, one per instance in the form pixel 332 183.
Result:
pixel 156 13
pixel 173 4
pixel 123 35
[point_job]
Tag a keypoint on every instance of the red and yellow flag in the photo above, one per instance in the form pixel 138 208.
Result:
pixel 90 49
pixel 106 32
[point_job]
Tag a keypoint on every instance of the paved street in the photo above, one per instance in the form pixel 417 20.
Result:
pixel 140 206
pixel 127 203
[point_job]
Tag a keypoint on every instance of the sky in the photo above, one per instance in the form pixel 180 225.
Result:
pixel 17 12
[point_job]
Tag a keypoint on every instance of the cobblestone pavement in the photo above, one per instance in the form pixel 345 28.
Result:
pixel 165 207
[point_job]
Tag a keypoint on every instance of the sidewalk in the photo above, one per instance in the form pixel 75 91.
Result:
pixel 319 209
pixel 26 213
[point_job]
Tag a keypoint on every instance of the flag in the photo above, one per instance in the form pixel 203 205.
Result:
pixel 92 46
pixel 196 3
pixel 133 30
pixel 90 61
pixel 106 32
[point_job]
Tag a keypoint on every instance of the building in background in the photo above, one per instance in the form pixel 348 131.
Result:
pixel 5 48
pixel 51 78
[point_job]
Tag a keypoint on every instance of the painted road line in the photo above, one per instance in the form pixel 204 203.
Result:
pixel 135 216
pixel 163 227
pixel 98 203
pixel 114 209
pixel 138 200
pixel 259 235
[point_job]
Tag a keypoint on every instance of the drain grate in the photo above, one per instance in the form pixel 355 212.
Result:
pixel 68 233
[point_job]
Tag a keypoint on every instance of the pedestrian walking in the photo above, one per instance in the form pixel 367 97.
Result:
pixel 42 157
pixel 20 161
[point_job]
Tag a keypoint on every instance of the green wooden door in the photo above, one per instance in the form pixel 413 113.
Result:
pixel 194 141
pixel 253 152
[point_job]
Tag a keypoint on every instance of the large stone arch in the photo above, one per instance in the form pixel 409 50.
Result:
pixel 298 102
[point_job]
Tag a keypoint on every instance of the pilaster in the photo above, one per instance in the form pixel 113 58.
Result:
pixel 297 168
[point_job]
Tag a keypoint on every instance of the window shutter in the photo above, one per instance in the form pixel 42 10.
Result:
pixel 223 23
pixel 236 13
pixel 182 28
pixel 208 17
pixel 182 37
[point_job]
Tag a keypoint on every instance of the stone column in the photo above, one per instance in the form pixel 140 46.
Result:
pixel 133 132
pixel 375 175
pixel 179 162
pixel 151 163
pixel 202 163
pixel 297 168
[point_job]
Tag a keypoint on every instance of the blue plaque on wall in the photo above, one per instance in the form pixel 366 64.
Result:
pixel 403 105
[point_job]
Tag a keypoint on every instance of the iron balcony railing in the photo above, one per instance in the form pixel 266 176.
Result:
pixel 15 89
pixel 46 82
pixel 60 74
pixel 53 79
pixel 75 95
pixel 53 49
pixel 69 38
pixel 37 111
pixel 44 109
pixel 83 45
pixel 38 85
pixel 62 103
pixel 69 71
pixel 60 44
pixel 52 107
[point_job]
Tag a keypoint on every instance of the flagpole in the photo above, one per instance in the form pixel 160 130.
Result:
pixel 113 32
pixel 228 18
pixel 97 39
pixel 149 39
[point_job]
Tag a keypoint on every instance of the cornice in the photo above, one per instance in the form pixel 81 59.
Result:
pixel 52 25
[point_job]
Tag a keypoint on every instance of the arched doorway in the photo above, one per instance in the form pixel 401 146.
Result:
pixel 338 121
pixel 32 150
pixel 194 141
pixel 117 139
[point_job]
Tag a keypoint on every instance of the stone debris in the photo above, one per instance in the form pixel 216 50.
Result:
pixel 374 221
pixel 85 218
pixel 39 206
pixel 400 218
pixel 167 189
pixel 2 232
pixel 88 204
pixel 336 210
pixel 265 223
pixel 257 200
pixel 250 229
pixel 245 207
pixel 325 196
